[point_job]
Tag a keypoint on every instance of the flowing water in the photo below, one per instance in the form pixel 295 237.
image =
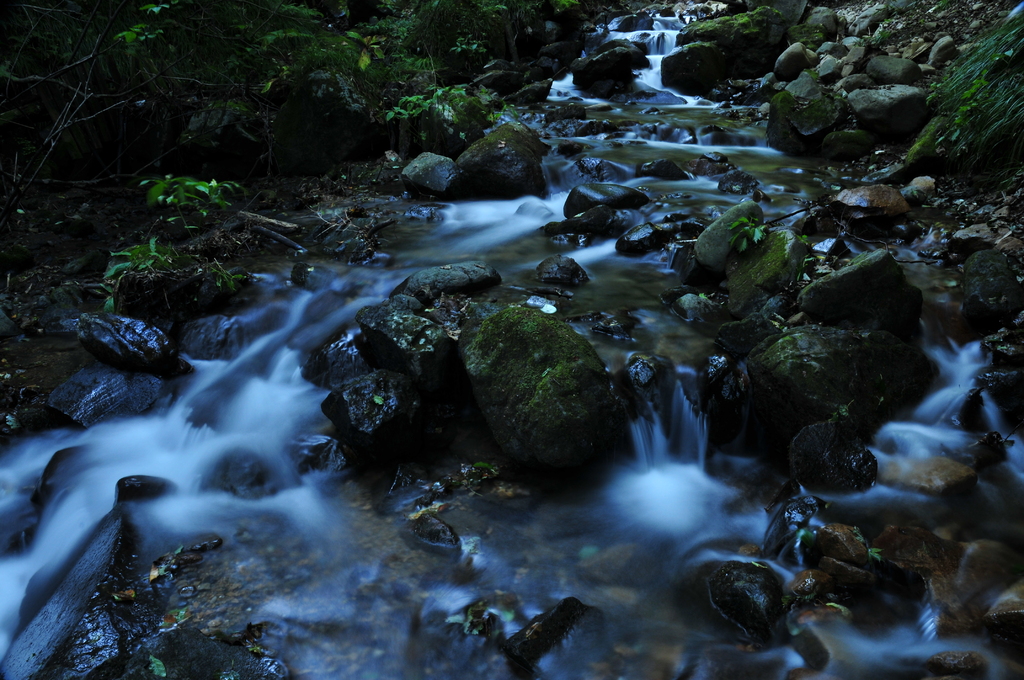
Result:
pixel 328 560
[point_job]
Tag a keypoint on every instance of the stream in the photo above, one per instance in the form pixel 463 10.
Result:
pixel 328 559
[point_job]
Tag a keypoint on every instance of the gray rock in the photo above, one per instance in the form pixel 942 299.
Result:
pixel 561 269
pixel 502 82
pixel 943 51
pixel 991 292
pixel 694 69
pixel 663 169
pixel 404 342
pixel 428 284
pixel 868 20
pixel 643 238
pixel 504 164
pixel 586 196
pixel 829 69
pixel 712 247
pixel 187 654
pixel 638 56
pixel 791 62
pixel 763 270
pixel 824 17
pixel 739 337
pixel 1005 386
pixel 847 145
pixel 8 329
pixel 749 595
pixel 692 307
pixel 827 457
pixel 750 42
pixel 378 415
pixel 534 93
pixel 805 86
pixel 892 111
pixel 886 70
pixel 99 392
pixel 871 293
pixel 791 10
pixel 600 220
pixel 738 182
pixel 432 174
pixel 857 81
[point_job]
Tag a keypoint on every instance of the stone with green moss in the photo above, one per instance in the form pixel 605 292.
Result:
pixel 797 127
pixel 812 374
pixel 750 41
pixel 812 36
pixel 924 153
pixel 504 164
pixel 781 135
pixel 763 270
pixel 847 145
pixel 791 10
pixel 712 246
pixel 542 389
pixel 453 122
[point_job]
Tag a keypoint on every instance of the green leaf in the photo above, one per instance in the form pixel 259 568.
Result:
pixel 156 667
pixel 377 399
pixel 485 466
pixel 364 60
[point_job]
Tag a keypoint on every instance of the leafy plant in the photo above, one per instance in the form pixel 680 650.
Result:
pixel 147 257
pixel 189 192
pixel 367 46
pixel 875 554
pixel 746 232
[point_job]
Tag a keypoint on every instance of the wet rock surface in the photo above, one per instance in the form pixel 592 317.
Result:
pixel 378 415
pixel 829 456
pixel 130 344
pixel 402 341
pixel 750 595
pixel 569 617
pixel 428 284
pixel 99 392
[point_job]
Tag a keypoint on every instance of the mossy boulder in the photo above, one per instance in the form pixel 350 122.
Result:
pixel 924 153
pixel 791 10
pixel 991 293
pixel 797 127
pixel 323 122
pixel 504 164
pixel 812 374
pixel 781 135
pixel 452 123
pixel 812 36
pixel 750 41
pixel 763 270
pixel 542 389
pixel 694 69
pixel 847 145
pixel 871 292
pixel 712 247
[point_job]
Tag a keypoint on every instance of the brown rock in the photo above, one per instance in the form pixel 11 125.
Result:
pixel 846 574
pixel 844 543
pixel 811 583
pixel 937 476
pixel 957 663
pixel 871 201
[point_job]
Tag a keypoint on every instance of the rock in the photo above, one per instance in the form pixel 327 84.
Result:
pixel 600 220
pixel 504 164
pixel 502 82
pixel 561 269
pixel 1005 619
pixel 725 394
pixel 749 595
pixel 791 516
pixel 225 138
pixel 130 344
pixel 542 389
pixel 924 154
pixel 966 663
pixel 810 374
pixel 857 81
pixel 187 654
pixel 844 543
pixel 429 284
pixel 811 36
pixel 944 50
pixel 763 270
pixel 615 65
pixel 692 307
pixel 14 259
pixel 452 123
pixel 811 583
pixel 739 337
pixel 738 182
pixel 868 20
pixel 829 70
pixel 569 622
pixel 919 191
pixel 319 452
pixel 435 531
pixel 891 111
pixel 323 122
pixel 694 69
pixel 1006 388
pixel 586 196
pixel 378 415
pixel 433 175
pixel 99 392
pixel 991 292
pixel 8 329
pixel 936 476
pixel 712 247
pixel 805 86
pixel 847 145
pixel 791 10
pixel 797 127
pixel 871 293
pixel 663 169
pixel 335 362
pixel 643 238
pixel 824 17
pixel 404 342
pixel 639 57
pixel 534 93
pixel 826 456
pixel 791 62
pixel 846 574
pixel 886 70
pixel 242 474
pixel 750 41
pixel 871 201
pixel 563 51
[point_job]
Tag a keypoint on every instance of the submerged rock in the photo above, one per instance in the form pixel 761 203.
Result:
pixel 100 392
pixel 542 388
pixel 435 531
pixel 570 621
pixel 429 284
pixel 935 476
pixel 792 515
pixel 750 595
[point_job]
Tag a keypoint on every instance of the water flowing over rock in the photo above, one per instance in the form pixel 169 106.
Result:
pixel 429 284
pixel 586 196
pixel 811 374
pixel 99 392
pixel 130 344
pixel 750 595
pixel 569 620
pixel 542 389
pixel 871 292
pixel 991 292
pixel 828 457
pixel 504 164
pixel 323 122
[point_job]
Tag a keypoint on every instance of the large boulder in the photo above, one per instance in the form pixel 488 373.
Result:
pixel 791 62
pixel 847 145
pixel 750 41
pixel 991 292
pixel 750 595
pixel 798 126
pixel 586 196
pixel 542 389
pixel 791 10
pixel 871 292
pixel 323 122
pixel 428 284
pixel 712 247
pixel 812 374
pixel 763 270
pixel 892 111
pixel 615 64
pixel 504 164
pixel 129 344
pixel 451 123
pixel 100 392
pixel 868 20
pixel 404 342
pixel 432 174
pixel 886 70
pixel 694 69
pixel 378 415
pixel 828 457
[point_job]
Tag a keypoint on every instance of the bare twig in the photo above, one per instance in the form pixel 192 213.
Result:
pixel 277 237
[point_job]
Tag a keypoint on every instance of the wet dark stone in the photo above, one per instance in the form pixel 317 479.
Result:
pixel 828 456
pixel 335 362
pixel 964 663
pixel 435 531
pixel 597 170
pixel 430 212
pixel 243 474
pixel 312 277
pixel 405 342
pixel 704 167
pixel 563 51
pixel 61 467
pixel 142 488
pixel 502 82
pixel 433 175
pixel 130 344
pixel 653 381
pixel 561 269
pixel 212 337
pixel 81 629
pixel 569 619
pixel 187 654
pixel 428 284
pixel 663 169
pixel 643 238
pixel 378 415
pixel 568 111
pixel 686 265
pixel 725 396
pixel 846 574
pixel 991 292
pixel 99 392
pixel 1006 346
pixel 750 595
pixel 1005 386
pixel 586 196
pixel 637 51
pixel 739 337
pixel 615 65
pixel 793 515
pixel 600 220
pixel 738 182
pixel 320 452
